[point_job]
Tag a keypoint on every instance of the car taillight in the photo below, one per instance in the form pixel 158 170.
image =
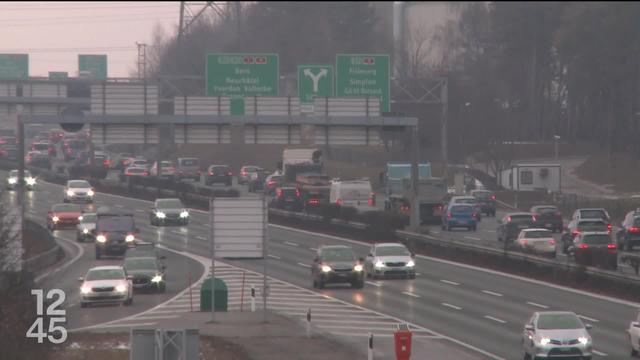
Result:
pixel 493 197
pixel 270 183
pixel 509 219
pixel 339 202
pixel 584 246
pixel 559 214
pixel 313 202
pixel 297 192
pixel 449 216
pixel 145 173
pixel 552 242
pixel 279 193
pixel 575 233
pixel 612 246
pixel 634 229
pixel 372 200
pixel 106 162
pixel 535 217
pixel 243 173
pixel 609 227
pixel 230 173
pixel 524 242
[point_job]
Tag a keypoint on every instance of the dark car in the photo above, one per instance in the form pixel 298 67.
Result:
pixel 10 152
pixel 487 201
pixel 147 273
pixel 288 198
pixel 72 147
pixel 547 217
pixel 578 226
pixel 115 232
pixel 629 234
pixel 38 159
pixel 168 211
pixel 99 165
pixel 219 174
pixel 245 173
pixel 337 264
pixel 510 225
pixel 271 183
pixel 591 247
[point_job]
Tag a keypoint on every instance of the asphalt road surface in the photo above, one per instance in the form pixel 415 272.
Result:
pixel 481 309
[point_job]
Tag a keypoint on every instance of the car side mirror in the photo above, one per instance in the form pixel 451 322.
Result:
pixel 588 326
pixel 164 267
pixel 529 328
pixel 635 324
pixel 81 279
pixel 163 257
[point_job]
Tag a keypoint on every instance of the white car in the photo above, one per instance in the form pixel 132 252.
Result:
pixel 139 163
pixel 537 240
pixel 106 284
pixel 634 335
pixel 78 191
pixel 551 334
pixel 387 259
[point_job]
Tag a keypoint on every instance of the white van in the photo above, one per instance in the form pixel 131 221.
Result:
pixel 353 193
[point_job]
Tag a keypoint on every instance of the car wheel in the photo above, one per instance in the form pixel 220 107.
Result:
pixel 98 254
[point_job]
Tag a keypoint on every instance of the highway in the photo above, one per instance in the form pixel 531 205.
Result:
pixel 480 308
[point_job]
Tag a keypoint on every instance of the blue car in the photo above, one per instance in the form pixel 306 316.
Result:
pixel 460 215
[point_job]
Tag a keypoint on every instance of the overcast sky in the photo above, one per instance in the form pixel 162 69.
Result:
pixel 54 33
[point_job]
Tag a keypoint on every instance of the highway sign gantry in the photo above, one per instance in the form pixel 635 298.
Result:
pixel 14 66
pixel 313 81
pixel 361 75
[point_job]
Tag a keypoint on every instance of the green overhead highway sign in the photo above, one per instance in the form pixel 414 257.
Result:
pixel 314 80
pixel 239 75
pixel 14 66
pixel 96 65
pixel 53 75
pixel 362 75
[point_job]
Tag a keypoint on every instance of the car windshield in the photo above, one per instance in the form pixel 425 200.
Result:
pixel 520 219
pixel 593 214
pixel 337 255
pixel 79 184
pixel 77 144
pixel 636 221
pixel 289 192
pixel 136 170
pixel 461 209
pixel 220 169
pixel 166 164
pixel 465 201
pixel 169 204
pixel 189 162
pixel 592 226
pixel 115 223
pixel 105 274
pixel 14 173
pixel 355 193
pixel 140 264
pixel 538 234
pixel 596 239
pixel 41 147
pixel 558 322
pixel 483 195
pixel 392 251
pixel 89 218
pixel 546 210
pixel 65 208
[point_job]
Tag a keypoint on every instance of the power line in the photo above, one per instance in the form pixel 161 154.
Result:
pixel 66 8
pixel 87 21
pixel 73 18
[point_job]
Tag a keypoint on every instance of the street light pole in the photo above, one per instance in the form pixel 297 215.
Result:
pixel 556 138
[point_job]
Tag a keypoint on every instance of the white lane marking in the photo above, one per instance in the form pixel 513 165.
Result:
pixel 127 325
pixel 472 238
pixel 450 282
pixel 599 353
pixel 378 335
pixel 491 293
pixel 177 232
pixel 376 284
pixel 495 319
pixel 411 294
pixel 290 243
pixel 490 231
pixel 76 258
pixel 305 265
pixel 201 238
pixel 537 305
pixel 435 232
pixel 156 317
pixel 313 249
pixel 274 257
pixel 451 306
pixel 119 206
pixel 588 318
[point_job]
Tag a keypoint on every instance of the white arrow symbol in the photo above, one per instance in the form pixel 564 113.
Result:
pixel 315 78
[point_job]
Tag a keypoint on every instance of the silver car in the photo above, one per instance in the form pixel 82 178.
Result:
pixel 386 259
pixel 556 334
pixel 106 284
pixel 85 230
pixel 78 190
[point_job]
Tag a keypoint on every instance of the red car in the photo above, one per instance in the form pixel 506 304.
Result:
pixel 63 215
pixel 56 136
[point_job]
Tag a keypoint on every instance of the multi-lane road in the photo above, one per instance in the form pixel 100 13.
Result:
pixel 478 310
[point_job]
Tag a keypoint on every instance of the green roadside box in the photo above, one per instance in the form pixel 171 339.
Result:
pixel 221 294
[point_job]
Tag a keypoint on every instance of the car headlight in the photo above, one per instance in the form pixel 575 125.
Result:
pixel 85 231
pixel 121 288
pixel 379 264
pixel 85 289
pixel 90 193
pixel 583 340
pixel 55 219
pixel 80 218
pixel 156 278
pixel 411 263
pixel 31 181
pixel 160 215
pixel 184 214
pixel 129 238
pixel 70 193
pixel 357 268
pixel 545 341
pixel 326 268
pixel 101 238
pixel 12 181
